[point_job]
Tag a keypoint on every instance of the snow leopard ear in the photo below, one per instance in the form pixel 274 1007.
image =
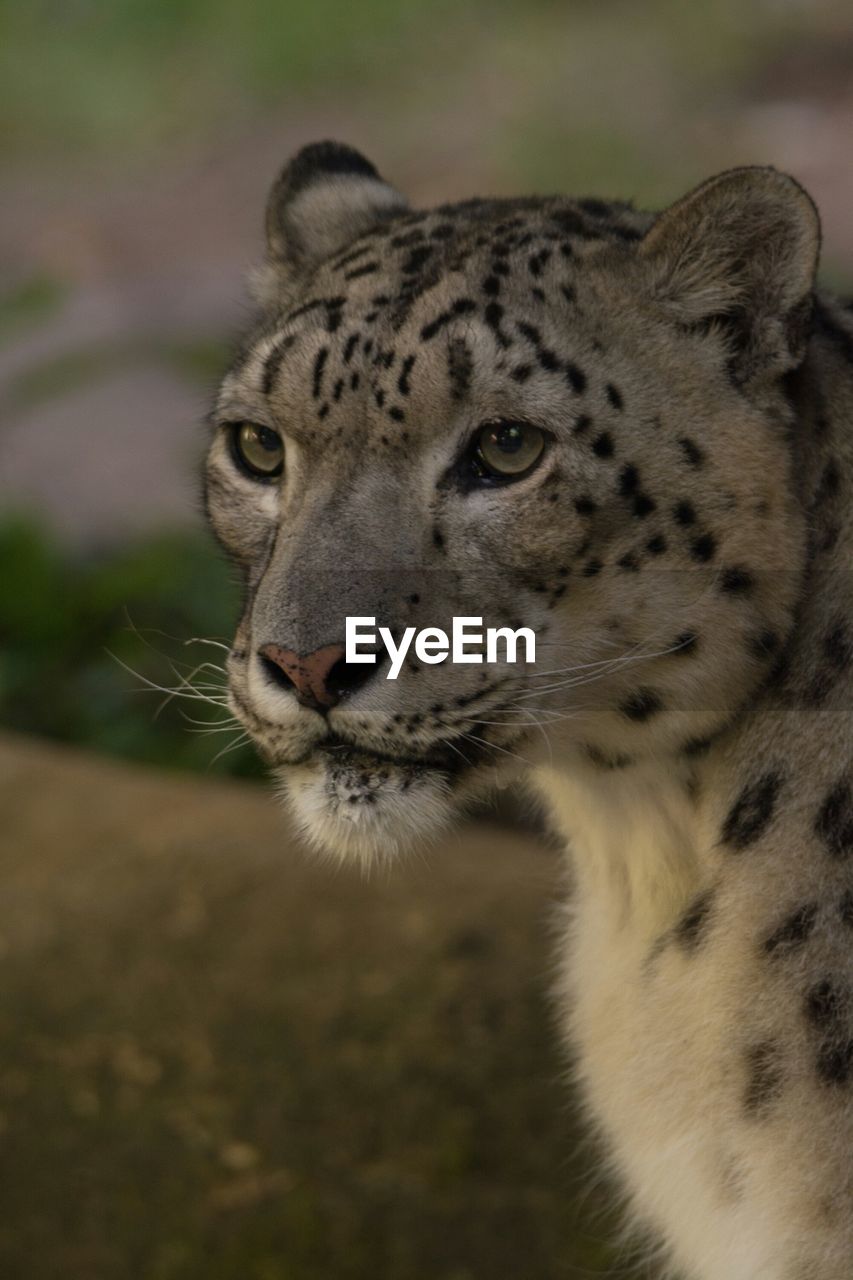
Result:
pixel 324 197
pixel 738 255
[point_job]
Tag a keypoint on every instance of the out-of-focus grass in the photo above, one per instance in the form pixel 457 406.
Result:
pixel 137 73
pixel 67 625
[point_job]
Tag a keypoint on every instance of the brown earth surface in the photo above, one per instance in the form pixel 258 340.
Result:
pixel 221 1060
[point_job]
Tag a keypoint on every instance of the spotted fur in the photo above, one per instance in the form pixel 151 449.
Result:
pixel 682 552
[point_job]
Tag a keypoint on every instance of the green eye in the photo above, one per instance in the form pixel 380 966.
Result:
pixel 507 450
pixel 258 450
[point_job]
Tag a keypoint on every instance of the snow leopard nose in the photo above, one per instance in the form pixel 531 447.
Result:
pixel 319 679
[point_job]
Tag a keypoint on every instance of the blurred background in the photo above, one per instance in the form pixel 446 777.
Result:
pixel 148 1126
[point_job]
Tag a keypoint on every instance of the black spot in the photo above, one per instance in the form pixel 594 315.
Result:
pixel 404 385
pixel 763 1077
pixel 273 363
pixel 656 546
pixel 834 822
pixel 824 1003
pixel 583 424
pixel 522 372
pixel 592 568
pixel 538 261
pixel 629 562
pixel 602 445
pixel 585 506
pixel 686 642
pixel 641 705
pixel 438 538
pixel 614 395
pixel 396 414
pixel 354 380
pixel 644 505
pixel 835 1062
pixel 407 239
pixel 691 927
pixel 684 513
pixel 461 307
pixel 793 931
pixel 369 269
pixel 493 315
pixel 322 412
pixel 752 811
pixel 319 365
pixel 491 286
pixel 576 378
pixel 417 258
pixel 566 289
pixel 692 452
pixel 460 365
pixel 736 581
pixel 629 480
pixel 703 547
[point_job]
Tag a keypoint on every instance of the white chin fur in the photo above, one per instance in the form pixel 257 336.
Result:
pixel 367 813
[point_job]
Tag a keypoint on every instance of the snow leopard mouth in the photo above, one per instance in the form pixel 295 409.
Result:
pixel 451 757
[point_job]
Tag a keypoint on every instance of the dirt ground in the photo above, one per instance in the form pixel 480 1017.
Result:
pixel 220 1060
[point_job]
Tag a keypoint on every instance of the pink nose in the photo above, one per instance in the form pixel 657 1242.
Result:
pixel 308 673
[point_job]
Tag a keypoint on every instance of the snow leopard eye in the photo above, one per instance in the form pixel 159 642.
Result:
pixel 507 450
pixel 259 451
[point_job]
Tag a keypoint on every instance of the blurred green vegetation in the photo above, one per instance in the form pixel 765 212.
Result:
pixel 83 640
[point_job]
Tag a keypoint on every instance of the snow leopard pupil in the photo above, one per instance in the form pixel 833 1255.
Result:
pixel 259 450
pixel 510 448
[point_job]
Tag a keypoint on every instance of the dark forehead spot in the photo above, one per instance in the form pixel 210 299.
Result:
pixel 752 811
pixel 692 452
pixel 460 367
pixel 576 378
pixel 703 548
pixel 656 545
pixel 403 382
pixel 629 480
pixel 602 445
pixel 583 423
pixel 686 642
pixel 834 821
pixel 614 395
pixel 684 513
